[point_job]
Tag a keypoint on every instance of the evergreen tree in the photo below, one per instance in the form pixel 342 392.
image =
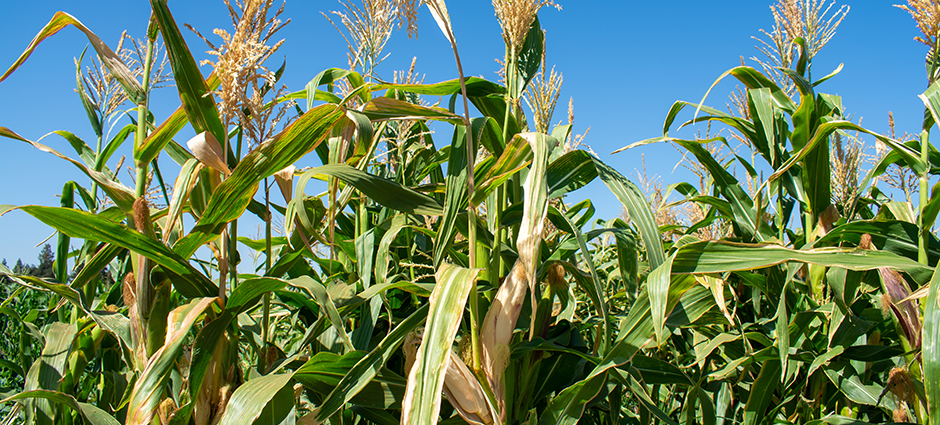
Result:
pixel 46 259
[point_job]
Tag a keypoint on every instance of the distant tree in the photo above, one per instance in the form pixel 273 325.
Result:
pixel 46 259
pixel 20 268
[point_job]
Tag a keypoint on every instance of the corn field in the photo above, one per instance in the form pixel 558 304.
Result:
pixel 430 269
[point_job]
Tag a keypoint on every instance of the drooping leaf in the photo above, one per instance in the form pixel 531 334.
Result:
pixel 90 412
pixel 637 206
pixel 80 224
pixel 108 58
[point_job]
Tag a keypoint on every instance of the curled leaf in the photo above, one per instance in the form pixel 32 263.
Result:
pixel 285 181
pixel 208 151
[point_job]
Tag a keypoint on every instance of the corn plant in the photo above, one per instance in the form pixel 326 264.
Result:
pixel 448 281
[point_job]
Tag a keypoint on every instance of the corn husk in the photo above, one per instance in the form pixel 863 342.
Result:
pixel 208 151
pixel 465 393
pixel 285 182
pixel 498 325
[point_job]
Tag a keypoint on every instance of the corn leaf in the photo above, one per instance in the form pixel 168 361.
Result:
pixel 367 368
pixel 385 108
pixel 115 323
pixel 324 373
pixel 80 224
pixel 163 135
pixel 637 206
pixel 385 192
pixel 719 257
pixel 230 199
pixel 422 402
pixel 250 398
pixel 91 413
pixel 323 298
pixel 455 199
pixel 194 92
pixel 48 369
pixel 109 59
pixel 570 172
pixel 516 155
pixel 122 196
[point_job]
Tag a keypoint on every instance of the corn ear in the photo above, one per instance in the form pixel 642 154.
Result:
pixel 465 393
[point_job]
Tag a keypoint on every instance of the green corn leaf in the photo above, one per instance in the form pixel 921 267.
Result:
pixel 48 369
pixel 115 323
pixel 456 197
pixel 655 371
pixel 899 237
pixel 826 129
pixel 108 58
pixel 113 146
pixel 570 172
pixel 230 199
pixel 640 392
pixel 323 298
pixel 67 201
pixel 362 373
pixel 719 257
pixel 87 103
pixel 163 135
pixel 122 196
pixel 80 224
pixel 91 413
pixel 658 285
pixel 188 176
pixel 385 108
pixel 476 87
pixel 753 79
pixel 598 287
pixel 324 373
pixel 568 406
pixel 327 76
pixel 637 206
pixel 931 99
pixel 529 57
pixel 742 206
pixel 759 401
pixel 385 192
pixel 516 155
pixel 194 93
pixel 250 399
pixel 761 105
pixel 422 401
pixel 844 377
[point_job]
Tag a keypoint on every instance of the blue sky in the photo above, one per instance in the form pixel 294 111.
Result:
pixel 624 63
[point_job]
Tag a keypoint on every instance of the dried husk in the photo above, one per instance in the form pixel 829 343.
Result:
pixel 285 182
pixel 208 151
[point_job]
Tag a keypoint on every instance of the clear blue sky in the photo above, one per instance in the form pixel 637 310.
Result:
pixel 624 63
